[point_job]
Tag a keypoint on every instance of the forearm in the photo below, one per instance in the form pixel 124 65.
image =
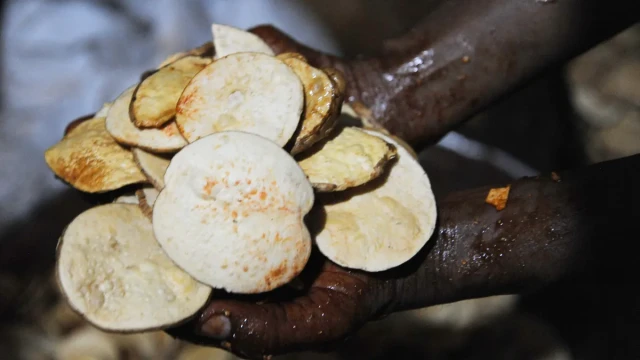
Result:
pixel 468 53
pixel 550 229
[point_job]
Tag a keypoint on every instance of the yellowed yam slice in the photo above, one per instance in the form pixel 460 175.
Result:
pixel 241 201
pixel 323 102
pixel 152 165
pixel 383 224
pixel 229 40
pixel 350 158
pixel 120 126
pixel 155 98
pixel 90 160
pixel 113 272
pixel 247 92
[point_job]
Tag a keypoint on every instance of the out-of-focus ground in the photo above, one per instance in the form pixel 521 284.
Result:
pixel 62 59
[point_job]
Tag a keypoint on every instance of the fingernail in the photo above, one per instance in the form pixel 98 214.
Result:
pixel 217 327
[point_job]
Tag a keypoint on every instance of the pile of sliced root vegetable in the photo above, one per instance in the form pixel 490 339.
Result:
pixel 226 149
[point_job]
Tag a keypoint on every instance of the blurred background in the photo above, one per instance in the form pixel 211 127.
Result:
pixel 61 59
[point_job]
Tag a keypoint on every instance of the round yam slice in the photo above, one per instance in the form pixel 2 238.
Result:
pixel 350 158
pixel 155 98
pixel 247 92
pixel 113 272
pixel 90 160
pixel 241 202
pixel 152 165
pixel 146 197
pixel 120 126
pixel 229 40
pixel 383 224
pixel 323 102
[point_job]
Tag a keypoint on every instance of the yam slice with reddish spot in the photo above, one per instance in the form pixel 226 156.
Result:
pixel 247 92
pixel 241 202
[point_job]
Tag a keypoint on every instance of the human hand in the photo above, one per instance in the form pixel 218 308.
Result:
pixel 552 228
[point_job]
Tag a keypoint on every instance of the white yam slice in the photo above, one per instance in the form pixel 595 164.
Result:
pixel 155 98
pixel 247 92
pixel 383 224
pixel 350 158
pixel 152 165
pixel 90 160
pixel 323 102
pixel 120 126
pixel 146 197
pixel 127 199
pixel 241 202
pixel 229 40
pixel 113 272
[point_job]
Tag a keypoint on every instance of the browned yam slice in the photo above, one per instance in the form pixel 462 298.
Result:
pixel 90 160
pixel 323 102
pixel 351 158
pixel 153 166
pixel 155 98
